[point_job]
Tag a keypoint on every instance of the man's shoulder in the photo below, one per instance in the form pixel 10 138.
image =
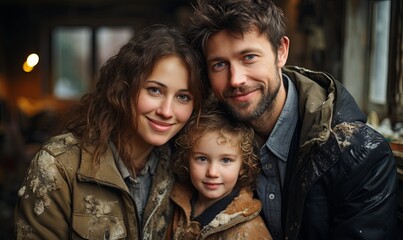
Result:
pixel 360 144
pixel 301 72
pixel 357 131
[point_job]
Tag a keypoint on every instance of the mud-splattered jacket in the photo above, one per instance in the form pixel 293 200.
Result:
pixel 341 184
pixel 240 220
pixel 64 197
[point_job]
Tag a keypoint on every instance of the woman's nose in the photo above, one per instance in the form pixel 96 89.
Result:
pixel 165 109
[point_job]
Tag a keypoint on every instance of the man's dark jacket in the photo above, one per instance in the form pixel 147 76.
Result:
pixel 342 178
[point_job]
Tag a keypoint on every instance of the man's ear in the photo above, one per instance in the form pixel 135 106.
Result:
pixel 282 52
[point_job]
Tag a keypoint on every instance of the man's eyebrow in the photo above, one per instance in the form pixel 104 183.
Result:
pixel 250 50
pixel 242 52
pixel 215 59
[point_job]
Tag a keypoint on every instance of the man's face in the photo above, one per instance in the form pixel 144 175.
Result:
pixel 244 72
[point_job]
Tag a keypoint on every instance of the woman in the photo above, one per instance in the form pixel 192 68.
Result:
pixel 109 176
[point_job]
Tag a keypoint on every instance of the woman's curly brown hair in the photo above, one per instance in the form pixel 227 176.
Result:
pixel 214 119
pixel 108 112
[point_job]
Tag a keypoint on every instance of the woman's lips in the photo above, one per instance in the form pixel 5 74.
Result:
pixel 160 126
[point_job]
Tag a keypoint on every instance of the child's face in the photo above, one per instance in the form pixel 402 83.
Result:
pixel 214 166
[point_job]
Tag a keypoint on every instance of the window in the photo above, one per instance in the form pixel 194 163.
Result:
pixel 379 54
pixel 78 52
pixel 108 42
pixel 71 61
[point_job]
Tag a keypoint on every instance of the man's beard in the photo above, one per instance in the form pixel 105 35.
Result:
pixel 265 104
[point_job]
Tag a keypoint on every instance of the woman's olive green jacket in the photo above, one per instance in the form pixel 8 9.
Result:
pixel 64 196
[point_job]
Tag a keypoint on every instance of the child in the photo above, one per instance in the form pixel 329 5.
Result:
pixel 216 164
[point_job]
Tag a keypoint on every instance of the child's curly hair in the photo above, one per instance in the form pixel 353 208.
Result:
pixel 214 119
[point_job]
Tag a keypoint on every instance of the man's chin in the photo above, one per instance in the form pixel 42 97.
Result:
pixel 242 114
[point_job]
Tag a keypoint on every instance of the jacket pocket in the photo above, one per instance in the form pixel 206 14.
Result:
pixel 98 227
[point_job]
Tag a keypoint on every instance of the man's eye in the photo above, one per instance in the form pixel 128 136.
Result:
pixel 219 66
pixel 250 57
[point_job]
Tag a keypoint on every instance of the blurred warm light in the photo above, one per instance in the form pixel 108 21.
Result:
pixel 26 67
pixel 32 59
pixel 31 62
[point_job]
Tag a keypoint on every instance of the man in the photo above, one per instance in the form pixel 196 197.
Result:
pixel 325 173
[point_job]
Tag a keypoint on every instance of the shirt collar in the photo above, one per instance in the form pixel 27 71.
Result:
pixel 280 138
pixel 150 166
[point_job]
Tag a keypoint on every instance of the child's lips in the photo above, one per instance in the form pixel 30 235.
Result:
pixel 211 185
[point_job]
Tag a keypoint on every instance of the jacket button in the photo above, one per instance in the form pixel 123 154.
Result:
pixel 107 234
pixel 271 196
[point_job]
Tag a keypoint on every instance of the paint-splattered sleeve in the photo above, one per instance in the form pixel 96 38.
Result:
pixel 43 206
pixel 364 187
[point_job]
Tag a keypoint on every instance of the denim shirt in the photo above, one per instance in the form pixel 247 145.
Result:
pixel 139 186
pixel 273 156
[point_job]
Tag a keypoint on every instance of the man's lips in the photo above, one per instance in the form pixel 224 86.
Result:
pixel 241 96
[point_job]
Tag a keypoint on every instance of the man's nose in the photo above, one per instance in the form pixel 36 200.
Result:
pixel 237 76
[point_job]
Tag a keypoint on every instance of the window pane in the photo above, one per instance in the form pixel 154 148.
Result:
pixel 71 56
pixel 379 56
pixel 108 42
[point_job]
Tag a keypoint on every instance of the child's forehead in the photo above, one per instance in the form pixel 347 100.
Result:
pixel 218 134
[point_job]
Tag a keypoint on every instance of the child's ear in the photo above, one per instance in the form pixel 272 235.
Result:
pixel 241 172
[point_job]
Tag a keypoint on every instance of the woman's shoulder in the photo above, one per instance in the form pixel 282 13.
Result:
pixel 60 144
pixel 62 152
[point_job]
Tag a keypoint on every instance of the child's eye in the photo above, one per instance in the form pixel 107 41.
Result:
pixel 226 160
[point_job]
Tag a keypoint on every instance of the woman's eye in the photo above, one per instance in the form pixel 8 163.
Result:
pixel 184 98
pixel 154 90
pixel 201 158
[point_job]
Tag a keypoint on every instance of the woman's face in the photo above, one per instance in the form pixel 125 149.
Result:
pixel 165 102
